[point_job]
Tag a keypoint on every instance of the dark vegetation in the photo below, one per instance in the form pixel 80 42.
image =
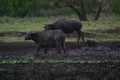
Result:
pixel 22 8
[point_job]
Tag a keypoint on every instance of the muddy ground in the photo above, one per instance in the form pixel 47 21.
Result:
pixel 61 71
pixel 19 51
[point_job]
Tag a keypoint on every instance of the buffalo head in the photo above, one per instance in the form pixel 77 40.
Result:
pixel 30 36
pixel 48 27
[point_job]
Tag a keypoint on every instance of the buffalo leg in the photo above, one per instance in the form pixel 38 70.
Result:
pixel 63 47
pixel 38 49
pixel 45 50
pixel 80 34
pixel 58 47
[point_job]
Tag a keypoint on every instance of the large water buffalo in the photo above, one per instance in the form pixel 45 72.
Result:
pixel 67 26
pixel 49 38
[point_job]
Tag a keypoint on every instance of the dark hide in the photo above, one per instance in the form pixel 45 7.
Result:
pixel 67 26
pixel 48 38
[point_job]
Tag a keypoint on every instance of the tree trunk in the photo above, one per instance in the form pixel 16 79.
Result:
pixel 82 15
pixel 83 10
pixel 98 12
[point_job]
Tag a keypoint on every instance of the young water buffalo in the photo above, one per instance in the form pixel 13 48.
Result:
pixel 49 38
pixel 67 26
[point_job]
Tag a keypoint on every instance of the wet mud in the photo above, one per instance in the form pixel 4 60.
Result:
pixel 74 50
pixel 61 70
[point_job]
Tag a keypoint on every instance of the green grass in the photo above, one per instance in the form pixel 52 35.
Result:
pixel 36 24
pixel 100 24
pixel 8 39
pixel 25 24
pixel 58 61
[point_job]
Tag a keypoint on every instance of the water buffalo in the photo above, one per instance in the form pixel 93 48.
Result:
pixel 49 38
pixel 67 26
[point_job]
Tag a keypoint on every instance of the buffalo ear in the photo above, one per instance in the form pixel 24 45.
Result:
pixel 48 24
pixel 45 25
pixel 33 33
